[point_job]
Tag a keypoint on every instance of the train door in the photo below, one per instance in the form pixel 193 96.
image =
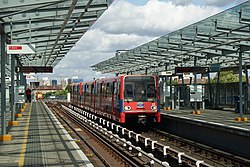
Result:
pixel 92 95
pixel 100 94
pixel 109 96
pixel 88 91
pixel 80 93
pixel 112 100
pixel 84 95
pixel 117 98
pixel 97 90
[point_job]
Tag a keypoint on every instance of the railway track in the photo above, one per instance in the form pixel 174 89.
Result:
pixel 89 140
pixel 210 155
pixel 142 150
pixel 150 147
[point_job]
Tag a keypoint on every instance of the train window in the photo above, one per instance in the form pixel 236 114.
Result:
pixel 103 90
pixel 139 88
pixel 129 91
pixel 117 90
pixel 109 90
pixel 92 88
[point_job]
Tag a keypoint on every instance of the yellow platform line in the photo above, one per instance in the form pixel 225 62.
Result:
pixel 21 160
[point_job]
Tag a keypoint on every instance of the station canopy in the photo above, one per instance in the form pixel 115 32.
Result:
pixel 216 40
pixel 50 27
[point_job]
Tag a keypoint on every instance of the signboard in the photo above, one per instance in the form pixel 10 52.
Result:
pixel 19 94
pixel 166 73
pixel 214 67
pixel 34 69
pixel 21 49
pixel 195 93
pixel 199 70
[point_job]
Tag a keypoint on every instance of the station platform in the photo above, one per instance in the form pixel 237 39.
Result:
pixel 40 140
pixel 223 118
pixel 215 128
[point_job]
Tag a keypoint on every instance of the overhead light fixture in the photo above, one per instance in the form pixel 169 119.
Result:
pixel 37 13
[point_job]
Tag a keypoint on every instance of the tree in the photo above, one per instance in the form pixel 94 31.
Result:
pixel 227 77
pixel 68 88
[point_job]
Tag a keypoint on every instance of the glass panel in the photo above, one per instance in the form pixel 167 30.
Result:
pixel 139 88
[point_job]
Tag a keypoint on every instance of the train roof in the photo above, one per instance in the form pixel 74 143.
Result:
pixel 107 79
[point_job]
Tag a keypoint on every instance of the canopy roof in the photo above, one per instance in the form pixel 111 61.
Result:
pixel 214 40
pixel 54 26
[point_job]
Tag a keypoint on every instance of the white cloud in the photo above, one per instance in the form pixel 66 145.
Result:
pixel 156 18
pixel 97 40
pixel 182 2
pixel 125 26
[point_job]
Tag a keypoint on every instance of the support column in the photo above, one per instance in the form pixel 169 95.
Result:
pixel 184 91
pixel 211 101
pixel 241 118
pixel 246 90
pixel 12 97
pixel 3 136
pixel 195 84
pixel 166 105
pixel 18 74
pixel 171 94
pixel 240 82
pixel 22 79
pixel 217 90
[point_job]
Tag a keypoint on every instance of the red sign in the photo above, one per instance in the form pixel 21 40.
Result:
pixel 15 47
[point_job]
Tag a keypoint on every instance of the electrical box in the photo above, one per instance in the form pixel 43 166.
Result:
pixel 19 94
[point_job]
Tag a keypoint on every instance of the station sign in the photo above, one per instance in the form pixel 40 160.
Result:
pixel 166 73
pixel 21 49
pixel 35 69
pixel 200 70
pixel 214 67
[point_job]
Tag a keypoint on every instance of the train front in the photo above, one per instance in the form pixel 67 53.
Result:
pixel 140 99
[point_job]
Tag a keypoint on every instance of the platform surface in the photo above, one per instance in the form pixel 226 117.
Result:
pixel 213 117
pixel 40 140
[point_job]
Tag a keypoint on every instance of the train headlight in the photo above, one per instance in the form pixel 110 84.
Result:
pixel 127 108
pixel 153 107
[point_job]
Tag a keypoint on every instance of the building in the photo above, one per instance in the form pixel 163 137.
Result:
pixel 53 82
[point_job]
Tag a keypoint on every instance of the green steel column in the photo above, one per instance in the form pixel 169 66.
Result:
pixel 195 84
pixel 166 87
pixel 246 90
pixel 12 98
pixel 240 82
pixel 217 90
pixel 211 100
pixel 3 91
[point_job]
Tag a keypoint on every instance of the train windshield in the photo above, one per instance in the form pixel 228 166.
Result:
pixel 139 88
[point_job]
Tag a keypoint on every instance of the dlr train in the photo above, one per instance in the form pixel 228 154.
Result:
pixel 121 98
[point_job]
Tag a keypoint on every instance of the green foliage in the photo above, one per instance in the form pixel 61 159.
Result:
pixel 59 92
pixel 227 77
pixel 68 88
pixel 175 82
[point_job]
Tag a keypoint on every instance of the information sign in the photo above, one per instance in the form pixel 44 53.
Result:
pixel 21 49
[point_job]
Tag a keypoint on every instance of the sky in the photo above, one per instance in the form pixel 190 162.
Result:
pixel 127 24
